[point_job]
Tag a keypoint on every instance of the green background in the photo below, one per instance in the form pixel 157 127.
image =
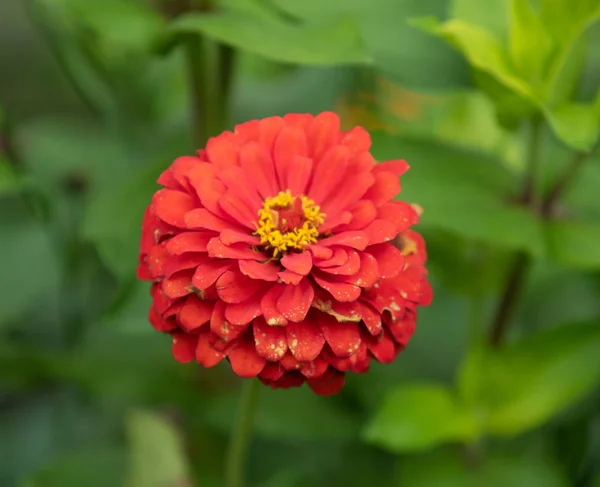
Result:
pixel 95 102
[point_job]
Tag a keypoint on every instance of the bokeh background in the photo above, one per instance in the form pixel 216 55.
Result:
pixel 480 97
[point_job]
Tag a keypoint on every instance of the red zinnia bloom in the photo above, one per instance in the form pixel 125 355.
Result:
pixel 280 248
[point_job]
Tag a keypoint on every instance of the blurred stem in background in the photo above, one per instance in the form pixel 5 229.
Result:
pixel 241 433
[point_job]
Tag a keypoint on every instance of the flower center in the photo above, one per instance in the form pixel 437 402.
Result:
pixel 287 222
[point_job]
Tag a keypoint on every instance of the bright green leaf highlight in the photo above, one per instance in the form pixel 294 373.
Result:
pixel 529 43
pixel 523 385
pixel 417 417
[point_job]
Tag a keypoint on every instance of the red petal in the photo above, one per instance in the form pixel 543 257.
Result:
pixel 341 219
pixel 202 219
pixel 363 213
pixel 195 313
pixel 272 371
pixel 289 379
pixel 270 341
pixel 171 206
pixel 159 323
pixel 341 291
pixel 385 187
pixel 268 306
pixel 370 317
pixel 233 287
pixel 221 151
pixel 229 237
pixel 380 231
pixel 289 277
pixel 382 348
pixel 243 313
pixel 343 337
pixel 160 300
pixel 206 355
pixel 298 174
pixel 208 188
pixel 390 260
pixel 339 257
pixel 207 274
pixel 331 382
pixel 266 271
pixel 343 311
pixel 320 252
pixel 295 301
pixel 248 130
pixel 397 167
pixel 238 210
pixel 305 340
pixel 400 213
pixel 349 191
pixel 289 143
pixel 259 168
pixel 329 173
pixel 357 139
pixel 322 132
pixel 182 262
pixel 300 263
pixel 299 120
pixel 350 267
pixel 184 347
pixel 189 242
pixel 357 240
pixel 368 273
pixel 289 362
pixel 155 260
pixel 244 360
pixel 314 368
pixel 217 250
pixel 220 327
pixel 178 285
pixel 402 330
pixel 269 130
pixel 235 178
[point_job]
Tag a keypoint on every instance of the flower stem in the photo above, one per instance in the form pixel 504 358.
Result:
pixel 241 433
pixel 517 274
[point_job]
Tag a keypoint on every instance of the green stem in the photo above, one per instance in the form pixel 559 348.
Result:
pixel 195 54
pixel 530 188
pixel 241 433
pixel 517 274
pixel 562 183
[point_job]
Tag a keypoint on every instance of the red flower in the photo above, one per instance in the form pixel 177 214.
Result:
pixel 280 248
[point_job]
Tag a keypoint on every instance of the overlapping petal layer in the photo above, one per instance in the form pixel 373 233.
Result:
pixel 280 248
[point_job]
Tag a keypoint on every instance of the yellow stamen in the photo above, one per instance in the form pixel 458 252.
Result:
pixel 269 226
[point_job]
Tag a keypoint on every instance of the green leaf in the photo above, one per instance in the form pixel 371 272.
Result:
pixel 113 219
pixel 462 192
pixel 577 124
pixel 494 17
pixel 157 454
pixel 27 259
pixel 92 467
pixel 482 50
pixel 529 43
pixel 574 243
pixel 446 469
pixel 417 417
pixel 9 181
pixel 392 43
pixel 525 384
pixel 260 31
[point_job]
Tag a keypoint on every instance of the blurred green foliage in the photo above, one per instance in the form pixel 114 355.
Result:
pixel 95 103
